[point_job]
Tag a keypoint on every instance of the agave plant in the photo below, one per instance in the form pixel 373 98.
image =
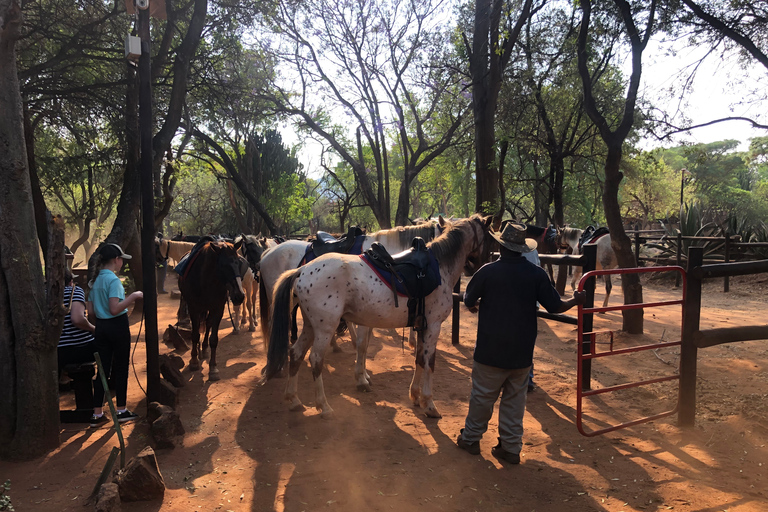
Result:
pixel 691 224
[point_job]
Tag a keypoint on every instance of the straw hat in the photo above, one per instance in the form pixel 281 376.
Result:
pixel 513 238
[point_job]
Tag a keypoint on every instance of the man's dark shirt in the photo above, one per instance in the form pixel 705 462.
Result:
pixel 508 290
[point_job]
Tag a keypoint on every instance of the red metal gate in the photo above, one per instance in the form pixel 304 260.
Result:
pixel 588 350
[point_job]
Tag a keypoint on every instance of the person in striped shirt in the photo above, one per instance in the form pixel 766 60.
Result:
pixel 76 344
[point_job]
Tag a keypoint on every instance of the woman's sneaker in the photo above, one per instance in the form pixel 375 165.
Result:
pixel 126 415
pixel 97 421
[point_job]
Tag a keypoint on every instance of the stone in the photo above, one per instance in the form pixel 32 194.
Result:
pixel 167 430
pixel 176 360
pixel 169 395
pixel 108 498
pixel 155 410
pixel 177 340
pixel 170 372
pixel 141 480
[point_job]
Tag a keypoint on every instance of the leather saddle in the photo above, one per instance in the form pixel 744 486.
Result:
pixel 414 272
pixel 591 234
pixel 413 268
pixel 325 243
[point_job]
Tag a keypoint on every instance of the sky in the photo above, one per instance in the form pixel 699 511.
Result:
pixel 719 90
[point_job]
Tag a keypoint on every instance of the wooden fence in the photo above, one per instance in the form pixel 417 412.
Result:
pixel 693 338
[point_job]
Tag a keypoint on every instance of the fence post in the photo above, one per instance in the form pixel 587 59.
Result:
pixel 678 258
pixel 590 259
pixel 726 279
pixel 455 319
pixel 688 350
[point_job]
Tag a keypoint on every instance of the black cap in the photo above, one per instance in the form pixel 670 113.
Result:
pixel 110 251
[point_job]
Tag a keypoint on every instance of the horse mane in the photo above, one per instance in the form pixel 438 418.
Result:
pixel 405 234
pixel 447 247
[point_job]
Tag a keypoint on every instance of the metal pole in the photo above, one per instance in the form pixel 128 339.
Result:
pixel 148 212
pixel 726 279
pixel 590 262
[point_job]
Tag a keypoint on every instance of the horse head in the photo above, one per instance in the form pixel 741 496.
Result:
pixel 228 269
pixel 481 249
pixel 252 249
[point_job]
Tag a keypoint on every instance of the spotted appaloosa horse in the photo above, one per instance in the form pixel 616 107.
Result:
pixel 606 258
pixel 336 286
pixel 288 256
pixel 213 273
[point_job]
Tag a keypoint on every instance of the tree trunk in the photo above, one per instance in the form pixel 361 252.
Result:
pixel 620 242
pixel 29 423
pixel 404 199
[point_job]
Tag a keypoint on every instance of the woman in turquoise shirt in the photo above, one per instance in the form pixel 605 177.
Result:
pixel 112 335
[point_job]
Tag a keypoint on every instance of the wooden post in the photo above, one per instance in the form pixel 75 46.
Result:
pixel 688 351
pixel 678 258
pixel 726 279
pixel 456 306
pixel 590 259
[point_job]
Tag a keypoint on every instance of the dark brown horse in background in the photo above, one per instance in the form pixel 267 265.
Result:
pixel 212 272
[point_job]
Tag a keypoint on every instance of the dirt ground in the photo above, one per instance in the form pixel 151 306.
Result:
pixel 244 451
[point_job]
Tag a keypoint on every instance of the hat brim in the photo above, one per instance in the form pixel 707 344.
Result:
pixel 530 244
pixel 125 256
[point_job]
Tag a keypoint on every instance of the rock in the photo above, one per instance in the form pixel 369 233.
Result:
pixel 170 372
pixel 108 499
pixel 177 340
pixel 176 360
pixel 169 395
pixel 141 480
pixel 167 430
pixel 155 410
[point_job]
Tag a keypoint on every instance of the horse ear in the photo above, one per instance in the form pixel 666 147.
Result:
pixel 239 243
pixel 487 220
pixel 441 221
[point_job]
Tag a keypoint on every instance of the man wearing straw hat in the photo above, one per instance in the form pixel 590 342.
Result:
pixel 507 291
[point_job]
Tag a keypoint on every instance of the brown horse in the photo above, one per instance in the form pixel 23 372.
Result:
pixel 211 274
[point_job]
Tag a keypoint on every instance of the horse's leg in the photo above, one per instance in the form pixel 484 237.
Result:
pixel 352 333
pixel 294 325
pixel 362 376
pixel 236 319
pixel 322 340
pixel 412 339
pixel 415 390
pixel 194 363
pixel 252 308
pixel 205 353
pixel 296 356
pixel 427 362
pixel 212 325
pixel 608 287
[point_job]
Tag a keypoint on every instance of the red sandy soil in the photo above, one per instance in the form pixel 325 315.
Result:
pixel 244 451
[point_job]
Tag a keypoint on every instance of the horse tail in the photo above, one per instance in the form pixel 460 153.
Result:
pixel 277 352
pixel 264 313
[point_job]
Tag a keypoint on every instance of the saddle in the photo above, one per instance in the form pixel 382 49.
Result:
pixel 186 261
pixel 414 273
pixel 324 243
pixel 591 234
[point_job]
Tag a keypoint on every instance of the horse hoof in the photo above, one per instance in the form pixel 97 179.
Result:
pixel 236 330
pixel 214 377
pixel 252 328
pixel 432 413
pixel 327 414
pixel 194 366
pixel 365 388
pixel 297 407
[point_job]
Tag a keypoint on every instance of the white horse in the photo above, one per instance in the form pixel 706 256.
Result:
pixel 288 256
pixel 606 258
pixel 336 286
pixel 172 249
